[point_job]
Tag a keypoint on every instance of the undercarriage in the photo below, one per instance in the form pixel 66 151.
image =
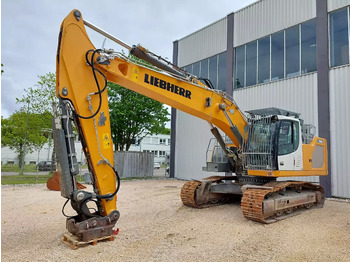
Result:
pixel 261 200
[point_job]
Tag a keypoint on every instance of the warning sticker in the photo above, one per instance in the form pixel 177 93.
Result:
pixel 135 74
pixel 106 141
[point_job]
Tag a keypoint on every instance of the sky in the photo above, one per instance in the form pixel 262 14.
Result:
pixel 29 32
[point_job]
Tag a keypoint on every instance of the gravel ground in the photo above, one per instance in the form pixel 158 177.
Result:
pixel 155 226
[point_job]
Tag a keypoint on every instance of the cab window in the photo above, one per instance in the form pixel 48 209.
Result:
pixel 288 140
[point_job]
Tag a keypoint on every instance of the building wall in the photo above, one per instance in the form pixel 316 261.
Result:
pixel 44 154
pixel 192 138
pixel 336 4
pixel 297 94
pixel 208 41
pixel 157 144
pixel 339 79
pixel 266 17
pixel 274 15
pixel 193 134
pixel 305 93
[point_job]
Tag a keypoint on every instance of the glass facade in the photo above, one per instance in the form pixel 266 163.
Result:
pixel 251 60
pixel 277 56
pixel 213 68
pixel 292 51
pixel 308 47
pixel 196 68
pixel 284 54
pixel 239 66
pixel 339 37
pixel 204 68
pixel 264 60
pixel 287 53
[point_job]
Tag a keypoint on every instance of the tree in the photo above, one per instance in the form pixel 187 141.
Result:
pixel 24 131
pixel 133 115
pixel 41 96
pixel 37 102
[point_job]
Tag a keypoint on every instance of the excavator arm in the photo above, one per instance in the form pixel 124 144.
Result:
pixel 82 72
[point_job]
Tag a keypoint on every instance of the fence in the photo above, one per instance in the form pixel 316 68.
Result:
pixel 134 164
pixel 128 164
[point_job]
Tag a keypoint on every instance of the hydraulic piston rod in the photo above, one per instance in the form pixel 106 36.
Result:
pixel 109 36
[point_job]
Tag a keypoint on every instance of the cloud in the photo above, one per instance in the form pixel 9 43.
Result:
pixel 29 31
pixel 8 95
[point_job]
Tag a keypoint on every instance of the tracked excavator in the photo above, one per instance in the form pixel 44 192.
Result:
pixel 252 150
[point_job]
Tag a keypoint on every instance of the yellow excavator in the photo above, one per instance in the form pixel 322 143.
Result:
pixel 252 149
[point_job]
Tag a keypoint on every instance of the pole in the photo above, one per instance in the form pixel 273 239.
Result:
pixel 25 140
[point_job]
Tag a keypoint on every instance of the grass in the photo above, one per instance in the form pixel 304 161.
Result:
pixel 36 179
pixel 30 179
pixel 42 179
pixel 24 179
pixel 16 168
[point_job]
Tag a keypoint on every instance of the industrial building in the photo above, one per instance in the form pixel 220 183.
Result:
pixel 290 54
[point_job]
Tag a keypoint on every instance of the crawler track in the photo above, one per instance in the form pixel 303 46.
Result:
pixel 252 200
pixel 188 193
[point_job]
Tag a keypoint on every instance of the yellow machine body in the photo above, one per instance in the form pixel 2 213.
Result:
pixel 76 83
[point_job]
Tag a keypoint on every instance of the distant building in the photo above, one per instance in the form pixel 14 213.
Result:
pixel 9 156
pixel 157 144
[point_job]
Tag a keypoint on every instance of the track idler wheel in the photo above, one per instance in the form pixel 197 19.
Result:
pixel 197 194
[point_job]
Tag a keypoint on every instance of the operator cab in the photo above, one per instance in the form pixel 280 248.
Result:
pixel 273 140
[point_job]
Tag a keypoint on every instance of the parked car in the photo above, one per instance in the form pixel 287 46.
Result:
pixel 46 166
pixel 156 165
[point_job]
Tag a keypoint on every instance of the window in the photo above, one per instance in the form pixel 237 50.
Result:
pixel 339 37
pixel 196 69
pixel 239 66
pixel 169 141
pixel 277 56
pixel 288 140
pixel 285 142
pixel 295 135
pixel 213 70
pixel 188 69
pixel 161 153
pixel 308 46
pixel 251 59
pixel 292 51
pixel 264 60
pixel 204 69
pixel 222 71
pixel 155 152
pixel 162 141
pixel 283 54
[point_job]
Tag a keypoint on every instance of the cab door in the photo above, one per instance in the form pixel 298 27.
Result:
pixel 289 146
